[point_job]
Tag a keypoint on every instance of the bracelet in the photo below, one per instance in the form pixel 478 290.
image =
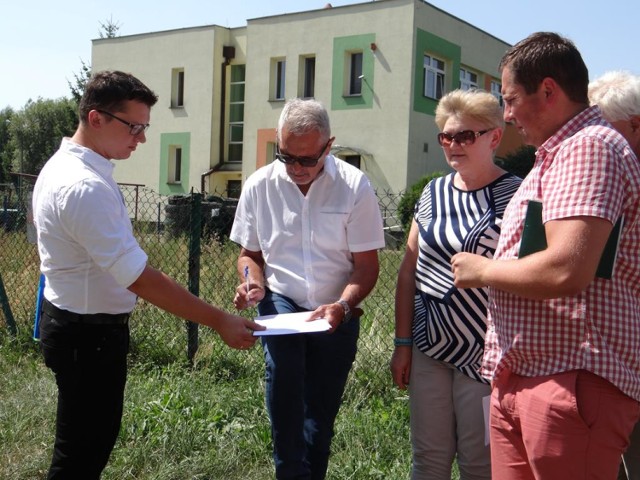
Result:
pixel 403 341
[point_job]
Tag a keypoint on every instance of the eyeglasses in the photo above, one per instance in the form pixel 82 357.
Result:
pixel 303 161
pixel 463 138
pixel 134 128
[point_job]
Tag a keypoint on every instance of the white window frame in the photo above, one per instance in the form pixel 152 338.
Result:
pixel 236 126
pixel 496 91
pixel 468 79
pixel 236 130
pixel 434 77
pixel 308 80
pixel 237 186
pixel 278 77
pixel 177 88
pixel 356 74
pixel 175 164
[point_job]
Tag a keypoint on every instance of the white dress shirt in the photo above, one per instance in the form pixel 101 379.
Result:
pixel 307 241
pixel 88 253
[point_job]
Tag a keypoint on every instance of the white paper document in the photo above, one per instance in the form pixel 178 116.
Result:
pixel 286 323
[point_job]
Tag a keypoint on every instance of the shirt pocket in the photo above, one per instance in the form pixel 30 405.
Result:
pixel 332 227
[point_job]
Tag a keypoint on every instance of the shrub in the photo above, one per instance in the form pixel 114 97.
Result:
pixel 519 162
pixel 408 201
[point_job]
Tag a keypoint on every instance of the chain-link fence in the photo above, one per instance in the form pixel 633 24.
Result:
pixel 187 237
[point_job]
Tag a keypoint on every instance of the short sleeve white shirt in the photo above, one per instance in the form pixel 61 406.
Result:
pixel 88 253
pixel 307 241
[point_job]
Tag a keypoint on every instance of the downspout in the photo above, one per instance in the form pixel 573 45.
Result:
pixel 229 53
pixel 203 176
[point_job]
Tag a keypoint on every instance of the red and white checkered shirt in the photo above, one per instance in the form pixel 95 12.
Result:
pixel 585 169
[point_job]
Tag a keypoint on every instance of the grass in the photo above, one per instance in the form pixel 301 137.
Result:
pixel 204 420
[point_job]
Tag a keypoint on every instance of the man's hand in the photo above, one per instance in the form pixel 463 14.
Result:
pixel 332 312
pixel 246 299
pixel 237 332
pixel 468 270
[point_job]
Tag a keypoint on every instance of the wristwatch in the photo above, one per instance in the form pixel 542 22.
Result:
pixel 347 310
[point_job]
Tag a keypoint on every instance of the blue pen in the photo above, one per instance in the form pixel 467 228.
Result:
pixel 246 278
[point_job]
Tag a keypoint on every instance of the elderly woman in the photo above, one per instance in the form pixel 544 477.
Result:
pixel 439 328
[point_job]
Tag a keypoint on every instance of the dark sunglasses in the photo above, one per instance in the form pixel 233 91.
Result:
pixel 134 128
pixel 303 161
pixel 463 138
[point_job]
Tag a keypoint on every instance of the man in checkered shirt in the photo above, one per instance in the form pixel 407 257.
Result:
pixel 562 346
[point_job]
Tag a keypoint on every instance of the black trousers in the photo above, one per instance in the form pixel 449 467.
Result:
pixel 90 367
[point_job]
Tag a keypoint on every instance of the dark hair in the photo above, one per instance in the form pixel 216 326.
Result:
pixel 108 90
pixel 547 54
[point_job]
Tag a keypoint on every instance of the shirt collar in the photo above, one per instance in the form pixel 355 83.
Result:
pixel 87 156
pixel 588 116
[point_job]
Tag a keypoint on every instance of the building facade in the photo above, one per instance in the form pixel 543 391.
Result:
pixel 379 67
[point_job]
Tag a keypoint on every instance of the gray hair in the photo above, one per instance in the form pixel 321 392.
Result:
pixel 617 94
pixel 301 116
pixel 473 104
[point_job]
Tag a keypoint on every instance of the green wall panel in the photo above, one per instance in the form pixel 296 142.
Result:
pixel 341 48
pixel 450 52
pixel 166 141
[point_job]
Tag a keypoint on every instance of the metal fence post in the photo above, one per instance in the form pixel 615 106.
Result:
pixel 195 234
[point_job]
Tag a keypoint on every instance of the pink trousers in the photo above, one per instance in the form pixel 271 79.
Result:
pixel 568 426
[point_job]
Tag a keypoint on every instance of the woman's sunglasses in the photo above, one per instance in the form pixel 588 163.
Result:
pixel 463 138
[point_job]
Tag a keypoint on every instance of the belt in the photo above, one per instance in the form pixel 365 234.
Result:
pixel 86 318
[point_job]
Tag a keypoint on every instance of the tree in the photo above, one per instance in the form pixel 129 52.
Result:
pixel 79 81
pixel 6 147
pixel 108 29
pixel 36 130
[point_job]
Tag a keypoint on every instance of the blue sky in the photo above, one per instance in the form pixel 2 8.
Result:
pixel 42 43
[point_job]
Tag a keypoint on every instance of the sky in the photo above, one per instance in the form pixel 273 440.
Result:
pixel 43 44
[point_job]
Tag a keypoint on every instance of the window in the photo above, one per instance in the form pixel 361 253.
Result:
pixel 177 88
pixel 278 67
pixel 496 91
pixel 355 73
pixel 309 79
pixel 271 152
pixel 236 133
pixel 175 164
pixel 353 160
pixel 236 113
pixel 468 79
pixel 233 188
pixel 433 77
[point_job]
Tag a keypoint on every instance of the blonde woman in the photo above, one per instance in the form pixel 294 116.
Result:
pixel 439 328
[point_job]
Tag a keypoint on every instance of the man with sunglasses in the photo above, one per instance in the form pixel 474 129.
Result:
pixel 95 270
pixel 309 226
pixel 562 346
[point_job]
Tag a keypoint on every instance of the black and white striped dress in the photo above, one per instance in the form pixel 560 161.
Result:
pixel 449 323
